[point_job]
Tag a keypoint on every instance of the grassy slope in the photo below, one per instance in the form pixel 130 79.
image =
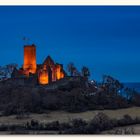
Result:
pixel 65 116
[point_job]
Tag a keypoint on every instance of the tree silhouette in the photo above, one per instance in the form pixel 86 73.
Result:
pixel 71 69
pixel 85 72
pixel 111 84
pixel 6 71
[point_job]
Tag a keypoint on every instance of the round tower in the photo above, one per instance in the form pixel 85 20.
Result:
pixel 30 59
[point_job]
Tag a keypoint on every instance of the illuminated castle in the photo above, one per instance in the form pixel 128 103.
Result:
pixel 46 73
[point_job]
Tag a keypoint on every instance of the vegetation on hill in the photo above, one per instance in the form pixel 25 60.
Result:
pixel 74 94
pixel 73 97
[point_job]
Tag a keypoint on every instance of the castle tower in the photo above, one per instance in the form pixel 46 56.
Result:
pixel 30 59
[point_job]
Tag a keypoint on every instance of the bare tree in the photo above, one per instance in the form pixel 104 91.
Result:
pixel 6 71
pixel 85 72
pixel 112 84
pixel 71 69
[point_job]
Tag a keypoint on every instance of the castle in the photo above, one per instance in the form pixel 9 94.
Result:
pixel 45 73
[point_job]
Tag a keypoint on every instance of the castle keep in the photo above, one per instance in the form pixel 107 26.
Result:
pixel 47 72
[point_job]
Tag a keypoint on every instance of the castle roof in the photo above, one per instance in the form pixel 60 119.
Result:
pixel 48 61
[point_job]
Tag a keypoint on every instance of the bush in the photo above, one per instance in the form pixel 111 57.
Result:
pixel 53 126
pixel 101 121
pixel 65 126
pixel 3 127
pixel 126 120
pixel 78 123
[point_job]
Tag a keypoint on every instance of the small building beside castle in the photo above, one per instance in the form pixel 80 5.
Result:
pixel 44 73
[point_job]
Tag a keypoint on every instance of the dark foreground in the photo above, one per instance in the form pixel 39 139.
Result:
pixel 121 121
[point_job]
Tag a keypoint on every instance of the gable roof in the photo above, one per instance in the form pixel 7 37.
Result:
pixel 48 61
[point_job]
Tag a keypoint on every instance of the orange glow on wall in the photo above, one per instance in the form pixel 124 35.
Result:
pixel 30 58
pixel 62 75
pixel 43 77
pixel 59 73
pixel 53 74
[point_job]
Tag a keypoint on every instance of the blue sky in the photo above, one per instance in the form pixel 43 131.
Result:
pixel 105 39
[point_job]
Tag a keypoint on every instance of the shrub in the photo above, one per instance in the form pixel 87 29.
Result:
pixel 52 126
pixel 78 123
pixel 65 126
pixel 3 127
pixel 126 120
pixel 101 121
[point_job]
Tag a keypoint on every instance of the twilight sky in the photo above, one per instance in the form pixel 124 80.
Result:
pixel 105 39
